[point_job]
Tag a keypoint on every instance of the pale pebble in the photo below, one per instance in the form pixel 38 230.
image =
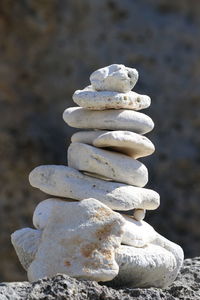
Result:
pixel 26 242
pixel 116 166
pixel 114 77
pixel 155 265
pixel 101 100
pixel 127 142
pixel 108 119
pixel 139 214
pixel 137 233
pixel 62 181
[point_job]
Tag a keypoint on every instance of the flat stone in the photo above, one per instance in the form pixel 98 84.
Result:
pixel 79 239
pixel 155 265
pixel 116 166
pixel 108 119
pixel 26 242
pixel 115 77
pixel 101 100
pixel 62 181
pixel 127 142
pixel 137 233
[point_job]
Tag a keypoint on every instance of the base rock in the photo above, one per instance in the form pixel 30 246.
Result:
pixel 186 286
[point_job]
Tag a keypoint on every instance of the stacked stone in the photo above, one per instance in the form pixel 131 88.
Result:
pixel 109 152
pixel 88 238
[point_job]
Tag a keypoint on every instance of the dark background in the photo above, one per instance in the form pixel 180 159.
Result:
pixel 48 50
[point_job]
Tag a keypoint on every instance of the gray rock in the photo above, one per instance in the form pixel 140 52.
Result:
pixel 61 287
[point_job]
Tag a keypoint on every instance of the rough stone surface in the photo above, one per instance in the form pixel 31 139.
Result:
pixel 155 264
pixel 63 181
pixel 88 240
pixel 78 239
pixel 117 78
pixel 26 242
pixel 116 166
pixel 48 50
pixel 121 119
pixel 186 286
pixel 91 99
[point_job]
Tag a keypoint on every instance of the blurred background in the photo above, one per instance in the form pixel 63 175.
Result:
pixel 48 49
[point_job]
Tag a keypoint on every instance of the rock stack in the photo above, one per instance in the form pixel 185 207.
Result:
pixel 87 238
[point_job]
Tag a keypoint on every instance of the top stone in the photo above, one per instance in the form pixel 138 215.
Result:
pixel 117 78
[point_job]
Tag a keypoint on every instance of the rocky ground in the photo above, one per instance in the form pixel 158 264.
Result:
pixel 48 49
pixel 186 286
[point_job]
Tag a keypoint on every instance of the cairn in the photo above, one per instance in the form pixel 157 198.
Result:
pixel 80 231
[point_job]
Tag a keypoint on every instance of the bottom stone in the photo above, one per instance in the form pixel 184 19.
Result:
pixel 88 240
pixel 151 266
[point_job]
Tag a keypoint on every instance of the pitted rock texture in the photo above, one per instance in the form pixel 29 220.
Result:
pixel 48 48
pixel 117 78
pixel 186 286
pixel 100 100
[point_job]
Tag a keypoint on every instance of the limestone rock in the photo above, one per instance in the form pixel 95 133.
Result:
pixel 116 166
pixel 152 265
pixel 62 181
pixel 89 98
pixel 82 239
pixel 44 210
pixel 139 214
pixel 127 142
pixel 108 119
pixel 115 77
pixel 137 233
pixel 87 137
pixel 26 242
pixel 79 239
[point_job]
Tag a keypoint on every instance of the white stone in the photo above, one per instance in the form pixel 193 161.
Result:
pixel 26 242
pixel 155 265
pixel 44 210
pixel 137 233
pixel 139 214
pixel 108 119
pixel 115 77
pixel 127 142
pixel 101 100
pixel 62 181
pixel 116 166
pixel 79 239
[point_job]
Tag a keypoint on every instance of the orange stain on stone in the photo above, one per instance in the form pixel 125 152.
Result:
pixel 102 213
pixel 88 249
